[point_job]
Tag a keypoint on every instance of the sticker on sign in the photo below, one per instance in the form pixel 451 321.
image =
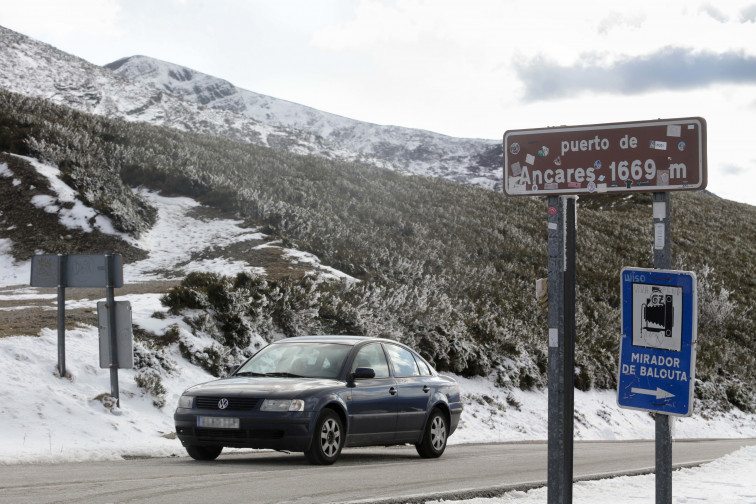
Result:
pixel 644 156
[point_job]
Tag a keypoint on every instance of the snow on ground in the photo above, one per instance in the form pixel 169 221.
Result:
pixel 73 419
pixel 177 235
pixel 63 419
pixel 77 217
pixel 172 243
pixel 494 414
pixel 45 418
pixel 12 272
pixel 728 480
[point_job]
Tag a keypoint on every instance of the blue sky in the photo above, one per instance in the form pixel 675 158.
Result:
pixel 468 68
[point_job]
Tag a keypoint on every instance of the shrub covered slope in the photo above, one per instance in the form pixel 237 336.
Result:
pixel 445 267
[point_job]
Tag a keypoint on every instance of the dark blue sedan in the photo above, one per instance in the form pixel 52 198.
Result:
pixel 318 394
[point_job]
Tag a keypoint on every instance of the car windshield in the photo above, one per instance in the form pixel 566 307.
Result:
pixel 297 360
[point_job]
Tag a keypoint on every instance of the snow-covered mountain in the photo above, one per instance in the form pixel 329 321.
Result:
pixel 145 89
pixel 404 149
pixel 32 68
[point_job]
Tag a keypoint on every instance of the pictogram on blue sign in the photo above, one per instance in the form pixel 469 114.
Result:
pixel 658 347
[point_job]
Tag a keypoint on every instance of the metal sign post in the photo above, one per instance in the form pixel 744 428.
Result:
pixel 561 249
pixel 63 271
pixel 643 156
pixel 663 260
pixel 658 346
pixel 110 300
pixel 61 274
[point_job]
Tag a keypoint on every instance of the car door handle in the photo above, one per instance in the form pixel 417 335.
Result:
pixel 426 389
pixel 392 391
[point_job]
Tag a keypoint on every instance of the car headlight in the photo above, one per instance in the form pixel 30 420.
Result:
pixel 282 405
pixel 186 401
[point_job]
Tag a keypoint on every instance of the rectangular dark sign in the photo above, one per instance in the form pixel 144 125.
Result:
pixel 80 271
pixel 645 156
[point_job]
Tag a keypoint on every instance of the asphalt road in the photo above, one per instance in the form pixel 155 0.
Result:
pixel 394 474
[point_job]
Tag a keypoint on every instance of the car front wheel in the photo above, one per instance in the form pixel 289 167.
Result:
pixel 204 452
pixel 434 437
pixel 327 439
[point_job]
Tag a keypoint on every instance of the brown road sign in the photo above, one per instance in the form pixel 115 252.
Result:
pixel 644 156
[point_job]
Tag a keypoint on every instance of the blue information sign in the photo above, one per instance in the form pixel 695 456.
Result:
pixel 658 349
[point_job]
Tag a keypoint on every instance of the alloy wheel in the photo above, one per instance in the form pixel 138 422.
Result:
pixel 330 437
pixel 438 432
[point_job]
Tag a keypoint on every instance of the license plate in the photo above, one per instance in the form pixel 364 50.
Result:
pixel 218 422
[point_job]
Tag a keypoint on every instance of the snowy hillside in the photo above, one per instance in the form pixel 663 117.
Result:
pixel 144 89
pixel 74 418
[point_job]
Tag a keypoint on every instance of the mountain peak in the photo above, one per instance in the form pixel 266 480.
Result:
pixel 403 149
pixel 141 88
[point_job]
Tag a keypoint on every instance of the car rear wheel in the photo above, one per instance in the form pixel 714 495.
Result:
pixel 204 452
pixel 434 437
pixel 327 439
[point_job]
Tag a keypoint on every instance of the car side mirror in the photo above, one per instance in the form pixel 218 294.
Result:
pixel 233 369
pixel 362 373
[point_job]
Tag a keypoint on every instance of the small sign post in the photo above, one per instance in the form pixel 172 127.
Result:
pixel 561 318
pixel 662 211
pixel 61 271
pixel 656 156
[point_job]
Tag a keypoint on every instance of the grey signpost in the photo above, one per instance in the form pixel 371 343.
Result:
pixel 561 318
pixel 61 314
pixel 79 270
pixel 110 299
pixel 663 431
pixel 643 156
pixel 658 350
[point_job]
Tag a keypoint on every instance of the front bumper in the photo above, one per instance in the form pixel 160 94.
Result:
pixel 277 431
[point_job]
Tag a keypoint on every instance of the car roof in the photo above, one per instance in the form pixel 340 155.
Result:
pixel 331 338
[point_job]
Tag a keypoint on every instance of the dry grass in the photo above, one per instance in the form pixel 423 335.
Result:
pixel 29 316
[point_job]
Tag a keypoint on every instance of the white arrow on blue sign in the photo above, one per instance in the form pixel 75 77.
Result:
pixel 658 393
pixel 658 347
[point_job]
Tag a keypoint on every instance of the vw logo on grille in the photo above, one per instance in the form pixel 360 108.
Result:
pixel 223 403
